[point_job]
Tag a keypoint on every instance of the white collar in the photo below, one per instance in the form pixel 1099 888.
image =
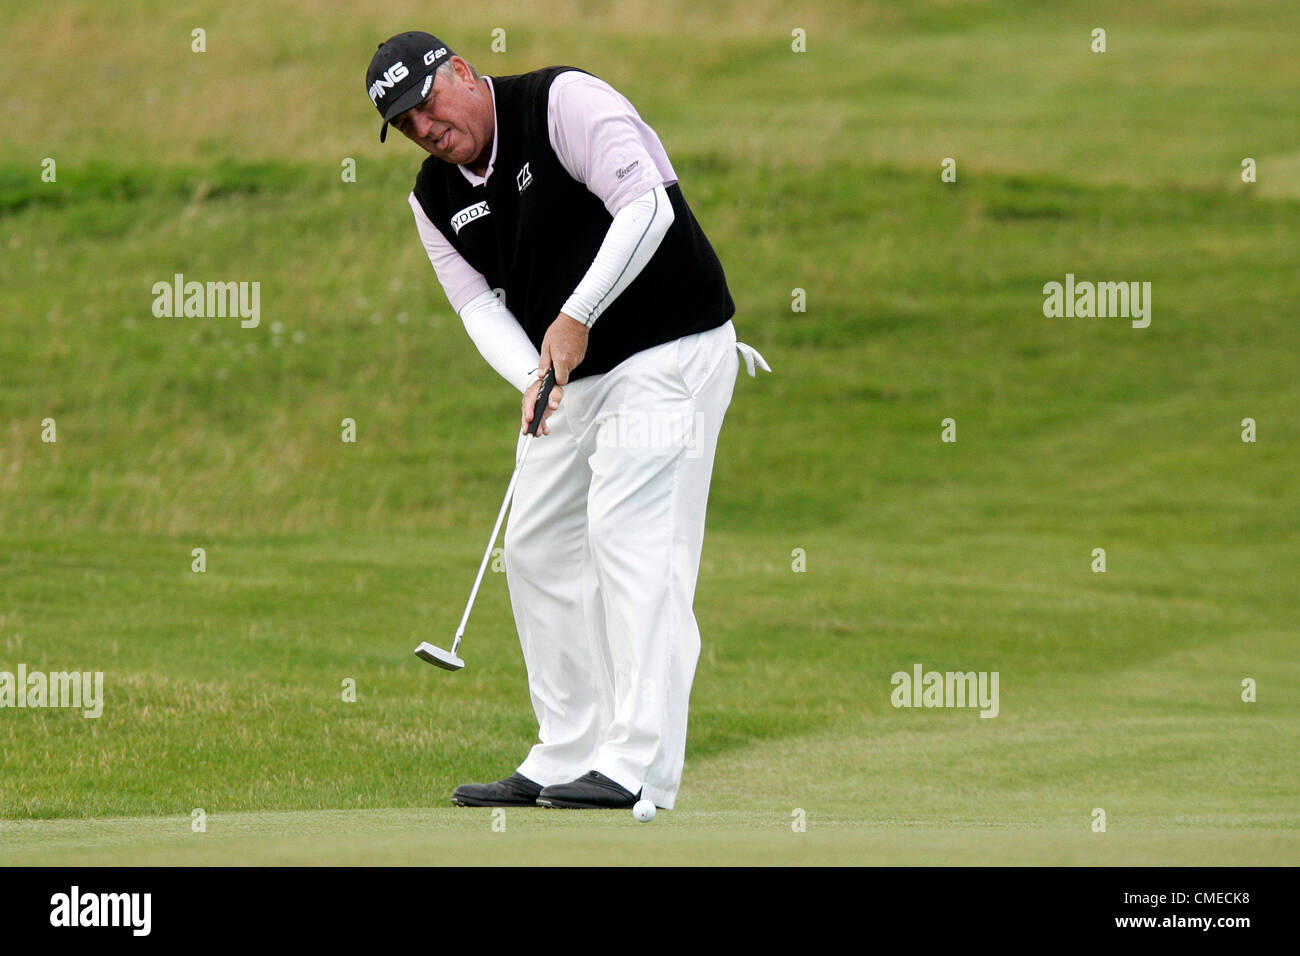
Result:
pixel 474 178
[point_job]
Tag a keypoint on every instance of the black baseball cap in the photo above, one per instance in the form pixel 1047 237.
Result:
pixel 401 73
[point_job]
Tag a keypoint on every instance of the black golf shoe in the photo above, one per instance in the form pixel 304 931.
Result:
pixel 515 790
pixel 591 791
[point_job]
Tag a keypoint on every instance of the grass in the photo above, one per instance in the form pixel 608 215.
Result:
pixel 444 837
pixel 326 561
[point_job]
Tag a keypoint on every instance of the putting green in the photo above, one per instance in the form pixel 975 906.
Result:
pixel 450 837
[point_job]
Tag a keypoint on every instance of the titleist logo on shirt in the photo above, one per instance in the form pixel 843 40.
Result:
pixel 467 215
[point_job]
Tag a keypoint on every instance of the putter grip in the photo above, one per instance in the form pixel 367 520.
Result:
pixel 543 397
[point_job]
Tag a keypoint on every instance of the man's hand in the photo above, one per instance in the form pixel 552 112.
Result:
pixel 530 402
pixel 564 346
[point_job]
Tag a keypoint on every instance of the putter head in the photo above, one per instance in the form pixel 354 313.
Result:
pixel 438 657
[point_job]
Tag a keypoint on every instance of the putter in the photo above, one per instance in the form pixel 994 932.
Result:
pixel 448 660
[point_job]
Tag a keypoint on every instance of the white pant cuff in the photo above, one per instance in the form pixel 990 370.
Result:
pixel 663 799
pixel 547 778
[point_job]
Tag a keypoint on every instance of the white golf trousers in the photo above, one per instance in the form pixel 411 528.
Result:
pixel 602 552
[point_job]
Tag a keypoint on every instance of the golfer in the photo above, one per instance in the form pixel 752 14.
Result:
pixel 558 231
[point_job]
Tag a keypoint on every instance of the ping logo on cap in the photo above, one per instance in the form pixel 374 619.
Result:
pixel 400 73
pixel 387 80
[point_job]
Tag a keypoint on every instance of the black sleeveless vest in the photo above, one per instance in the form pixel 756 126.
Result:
pixel 533 230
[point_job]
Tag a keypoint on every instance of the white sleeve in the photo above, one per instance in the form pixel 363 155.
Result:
pixel 497 335
pixel 631 241
pixel 495 331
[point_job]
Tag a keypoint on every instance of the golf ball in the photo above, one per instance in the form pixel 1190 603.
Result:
pixel 644 810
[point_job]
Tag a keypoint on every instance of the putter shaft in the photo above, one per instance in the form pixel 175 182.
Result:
pixel 496 530
pixel 433 654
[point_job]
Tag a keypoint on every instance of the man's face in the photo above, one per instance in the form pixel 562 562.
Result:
pixel 454 123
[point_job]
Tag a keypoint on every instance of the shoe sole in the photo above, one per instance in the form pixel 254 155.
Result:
pixel 472 802
pixel 551 803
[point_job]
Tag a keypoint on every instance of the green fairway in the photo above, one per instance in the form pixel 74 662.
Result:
pixel 326 561
pixel 447 837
